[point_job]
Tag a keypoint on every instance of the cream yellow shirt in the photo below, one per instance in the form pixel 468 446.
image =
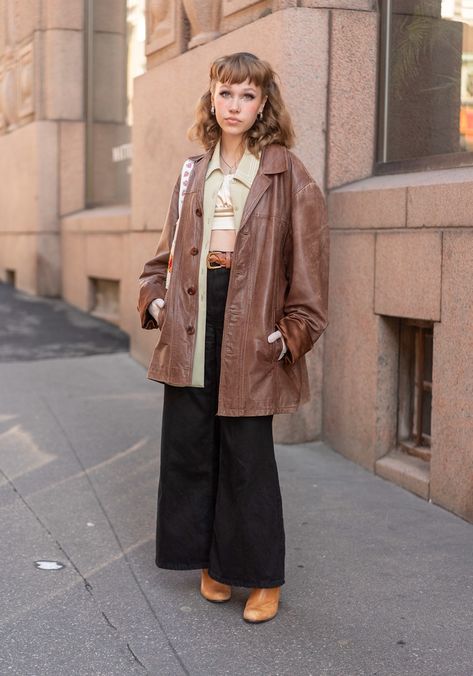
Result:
pixel 239 189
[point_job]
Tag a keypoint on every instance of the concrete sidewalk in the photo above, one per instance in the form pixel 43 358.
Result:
pixel 379 582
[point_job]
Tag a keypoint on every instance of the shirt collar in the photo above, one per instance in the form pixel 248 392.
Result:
pixel 214 160
pixel 246 168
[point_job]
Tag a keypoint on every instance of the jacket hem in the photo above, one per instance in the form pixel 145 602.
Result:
pixel 266 410
pixel 165 378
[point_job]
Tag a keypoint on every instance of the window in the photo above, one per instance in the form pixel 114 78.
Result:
pixel 105 299
pixel 426 85
pixel 10 277
pixel 415 387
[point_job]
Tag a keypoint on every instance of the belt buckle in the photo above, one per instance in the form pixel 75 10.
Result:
pixel 211 266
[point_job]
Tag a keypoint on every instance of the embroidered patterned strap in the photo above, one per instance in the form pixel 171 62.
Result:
pixel 185 177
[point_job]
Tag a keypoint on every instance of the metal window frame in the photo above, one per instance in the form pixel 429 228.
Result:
pixel 418 443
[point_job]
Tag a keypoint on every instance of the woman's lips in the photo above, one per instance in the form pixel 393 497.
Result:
pixel 232 120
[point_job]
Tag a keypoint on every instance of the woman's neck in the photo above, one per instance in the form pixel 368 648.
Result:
pixel 232 148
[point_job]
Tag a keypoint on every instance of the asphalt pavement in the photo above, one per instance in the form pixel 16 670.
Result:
pixel 378 581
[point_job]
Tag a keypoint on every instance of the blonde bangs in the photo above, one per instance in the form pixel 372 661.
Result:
pixel 235 69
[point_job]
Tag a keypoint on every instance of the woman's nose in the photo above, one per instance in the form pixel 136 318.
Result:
pixel 235 103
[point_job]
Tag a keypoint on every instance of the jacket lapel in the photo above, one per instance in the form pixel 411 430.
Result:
pixel 201 162
pixel 257 190
pixel 273 161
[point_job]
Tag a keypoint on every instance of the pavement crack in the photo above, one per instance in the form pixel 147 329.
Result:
pixel 117 539
pixel 87 585
pixel 137 658
pixel 109 622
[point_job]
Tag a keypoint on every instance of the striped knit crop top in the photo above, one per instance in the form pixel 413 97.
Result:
pixel 223 214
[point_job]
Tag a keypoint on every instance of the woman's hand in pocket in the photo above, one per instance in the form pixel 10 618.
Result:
pixel 275 336
pixel 155 306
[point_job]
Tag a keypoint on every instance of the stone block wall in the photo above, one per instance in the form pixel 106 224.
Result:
pixel 41 124
pixel 402 249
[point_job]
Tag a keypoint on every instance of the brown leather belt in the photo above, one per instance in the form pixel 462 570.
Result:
pixel 219 259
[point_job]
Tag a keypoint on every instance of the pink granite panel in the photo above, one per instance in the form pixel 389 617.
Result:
pixel 60 14
pixel 440 205
pixel 367 208
pixel 350 371
pixel 352 96
pixel 452 401
pixel 408 274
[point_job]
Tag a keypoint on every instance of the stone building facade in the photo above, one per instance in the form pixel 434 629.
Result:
pixel 391 378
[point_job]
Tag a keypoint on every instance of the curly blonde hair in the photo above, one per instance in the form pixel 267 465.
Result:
pixel 274 127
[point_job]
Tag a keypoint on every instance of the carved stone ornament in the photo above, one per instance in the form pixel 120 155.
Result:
pixel 25 82
pixel 204 18
pixel 16 87
pixel 161 24
pixel 9 96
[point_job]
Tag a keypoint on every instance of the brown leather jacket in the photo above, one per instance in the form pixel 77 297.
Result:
pixel 278 280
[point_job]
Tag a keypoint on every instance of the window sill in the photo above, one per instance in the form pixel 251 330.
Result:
pixel 405 470
pixel 409 447
pixel 436 198
pixel 115 218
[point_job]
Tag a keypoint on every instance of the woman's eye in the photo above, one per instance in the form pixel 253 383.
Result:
pixel 245 96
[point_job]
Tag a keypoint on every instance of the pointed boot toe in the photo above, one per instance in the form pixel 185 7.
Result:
pixel 212 590
pixel 262 605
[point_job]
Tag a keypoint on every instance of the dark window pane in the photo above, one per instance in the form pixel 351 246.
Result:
pixel 428 353
pixel 430 79
pixel 426 412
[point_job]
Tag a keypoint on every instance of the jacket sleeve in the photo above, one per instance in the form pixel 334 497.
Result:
pixel 306 253
pixel 153 278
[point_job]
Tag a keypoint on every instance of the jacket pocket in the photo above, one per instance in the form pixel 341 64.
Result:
pixel 162 317
pixel 275 347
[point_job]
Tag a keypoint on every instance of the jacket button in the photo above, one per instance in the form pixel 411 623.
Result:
pixel 190 330
pixel 191 290
pixel 194 251
pixel 198 212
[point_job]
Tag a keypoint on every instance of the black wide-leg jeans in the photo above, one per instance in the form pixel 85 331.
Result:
pixel 219 499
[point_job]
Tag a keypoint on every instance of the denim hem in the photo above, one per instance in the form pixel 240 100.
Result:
pixel 254 584
pixel 182 566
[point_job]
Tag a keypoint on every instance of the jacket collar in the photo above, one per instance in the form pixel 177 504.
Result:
pixel 274 159
pixel 246 170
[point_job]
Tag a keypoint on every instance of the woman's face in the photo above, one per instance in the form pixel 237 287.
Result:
pixel 237 105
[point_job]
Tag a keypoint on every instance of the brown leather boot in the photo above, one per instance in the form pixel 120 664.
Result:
pixel 212 590
pixel 262 605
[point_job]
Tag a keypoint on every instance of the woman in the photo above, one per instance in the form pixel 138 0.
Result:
pixel 247 298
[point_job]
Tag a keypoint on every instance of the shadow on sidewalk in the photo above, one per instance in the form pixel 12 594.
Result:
pixel 33 328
